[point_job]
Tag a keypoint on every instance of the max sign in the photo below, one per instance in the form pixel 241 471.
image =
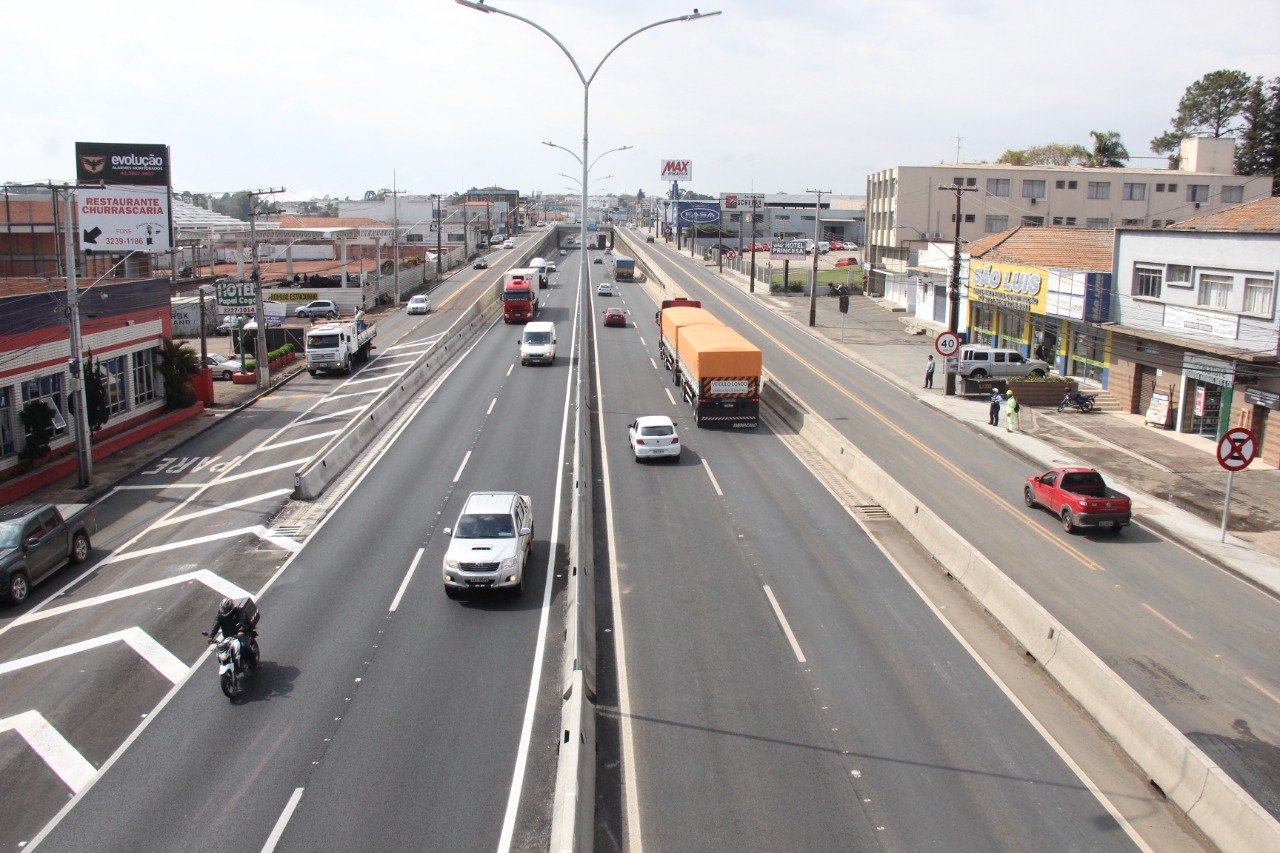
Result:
pixel 677 170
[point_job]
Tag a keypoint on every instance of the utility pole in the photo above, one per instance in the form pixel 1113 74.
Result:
pixel 953 292
pixel 395 237
pixel 84 454
pixel 817 235
pixel 260 312
pixel 752 285
pixel 439 229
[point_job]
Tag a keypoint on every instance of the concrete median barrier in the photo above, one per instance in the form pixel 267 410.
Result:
pixel 1211 799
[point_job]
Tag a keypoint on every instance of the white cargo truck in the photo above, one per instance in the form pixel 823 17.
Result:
pixel 339 345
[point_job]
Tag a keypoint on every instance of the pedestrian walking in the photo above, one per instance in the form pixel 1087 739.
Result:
pixel 996 402
pixel 928 372
pixel 1011 413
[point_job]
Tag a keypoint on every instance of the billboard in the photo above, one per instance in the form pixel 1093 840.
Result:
pixel 741 201
pixel 132 164
pixel 788 248
pixel 697 213
pixel 677 170
pixel 114 219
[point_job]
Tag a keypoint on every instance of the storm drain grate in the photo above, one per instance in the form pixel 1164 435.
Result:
pixel 872 512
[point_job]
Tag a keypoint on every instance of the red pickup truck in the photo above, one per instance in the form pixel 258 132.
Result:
pixel 1080 497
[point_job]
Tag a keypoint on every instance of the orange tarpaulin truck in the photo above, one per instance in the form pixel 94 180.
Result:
pixel 718 371
pixel 671 320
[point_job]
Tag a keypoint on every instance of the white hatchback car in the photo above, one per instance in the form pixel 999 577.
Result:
pixel 654 436
pixel 419 305
pixel 604 289
pixel 508 245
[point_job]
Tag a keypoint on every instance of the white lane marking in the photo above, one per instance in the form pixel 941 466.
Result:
pixel 265 496
pixel 362 379
pixel 1273 697
pixel 715 485
pixel 642 343
pixel 279 444
pixel 156 487
pixel 511 368
pixel 786 626
pixel 281 822
pixel 54 750
pixel 183 543
pixel 458 475
pixel 669 396
pixel 220 585
pixel 404 584
pixel 161 659
pixel 492 403
pixel 423 344
pixel 315 419
pixel 654 363
pixel 535 675
pixel 293 463
pixel 286 543
pixel 364 392
pixel 1166 620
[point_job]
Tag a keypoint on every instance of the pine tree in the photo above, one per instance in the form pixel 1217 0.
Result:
pixel 1251 147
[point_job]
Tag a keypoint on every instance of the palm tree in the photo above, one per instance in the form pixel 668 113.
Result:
pixel 178 363
pixel 1108 150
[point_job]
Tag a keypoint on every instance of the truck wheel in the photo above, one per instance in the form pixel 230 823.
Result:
pixel 79 547
pixel 1068 523
pixel 1028 497
pixel 19 587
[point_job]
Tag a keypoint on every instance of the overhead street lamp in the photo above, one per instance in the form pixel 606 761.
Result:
pixel 586 88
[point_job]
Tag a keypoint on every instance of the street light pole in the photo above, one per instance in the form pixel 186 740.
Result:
pixel 439 231
pixel 817 235
pixel 953 292
pixel 395 238
pixel 586 94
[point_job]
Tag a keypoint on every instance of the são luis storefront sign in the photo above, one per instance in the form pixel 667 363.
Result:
pixel 1009 286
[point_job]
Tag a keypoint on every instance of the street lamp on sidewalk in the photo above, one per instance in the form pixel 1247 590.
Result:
pixel 586 87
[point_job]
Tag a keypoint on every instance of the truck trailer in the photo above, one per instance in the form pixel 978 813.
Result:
pixel 338 346
pixel 671 320
pixel 624 268
pixel 718 372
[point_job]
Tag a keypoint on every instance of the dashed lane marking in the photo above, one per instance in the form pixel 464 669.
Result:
pixel 786 626
pixel 715 485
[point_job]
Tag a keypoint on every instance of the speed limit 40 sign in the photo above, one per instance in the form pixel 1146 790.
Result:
pixel 946 344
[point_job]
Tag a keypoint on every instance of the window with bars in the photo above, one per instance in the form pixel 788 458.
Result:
pixel 996 224
pixel 1099 189
pixel 1135 192
pixel 1147 281
pixel 1033 221
pixel 1198 192
pixel 144 377
pixel 1097 222
pixel 1215 291
pixel 1178 274
pixel 1033 189
pixel 1259 296
pixel 48 389
pixel 1232 195
pixel 998 187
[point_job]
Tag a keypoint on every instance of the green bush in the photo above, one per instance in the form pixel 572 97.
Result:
pixel 1052 377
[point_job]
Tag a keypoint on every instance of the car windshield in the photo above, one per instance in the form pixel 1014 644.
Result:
pixel 322 342
pixel 10 531
pixel 485 527
pixel 418 300
pixel 537 338
pixel 517 296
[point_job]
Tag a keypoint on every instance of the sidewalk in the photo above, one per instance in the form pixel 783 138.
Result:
pixel 1174 479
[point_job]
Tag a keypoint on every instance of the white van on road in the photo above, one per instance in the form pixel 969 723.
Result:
pixel 538 343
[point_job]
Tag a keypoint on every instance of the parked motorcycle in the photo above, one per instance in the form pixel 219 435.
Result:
pixel 1076 400
pixel 234 661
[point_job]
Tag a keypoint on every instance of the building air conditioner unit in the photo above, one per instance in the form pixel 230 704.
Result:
pixel 1034 200
pixel 937 235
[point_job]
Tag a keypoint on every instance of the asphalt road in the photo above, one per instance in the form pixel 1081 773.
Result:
pixel 86 666
pixel 1194 641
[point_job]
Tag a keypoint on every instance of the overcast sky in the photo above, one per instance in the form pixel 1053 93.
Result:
pixel 333 97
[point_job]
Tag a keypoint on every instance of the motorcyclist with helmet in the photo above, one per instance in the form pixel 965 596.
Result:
pixel 232 620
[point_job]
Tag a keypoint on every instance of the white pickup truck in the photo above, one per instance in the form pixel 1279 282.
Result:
pixel 338 346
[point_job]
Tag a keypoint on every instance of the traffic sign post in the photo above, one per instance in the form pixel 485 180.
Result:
pixel 1236 449
pixel 947 343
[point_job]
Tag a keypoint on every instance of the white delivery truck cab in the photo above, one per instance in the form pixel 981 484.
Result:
pixel 538 343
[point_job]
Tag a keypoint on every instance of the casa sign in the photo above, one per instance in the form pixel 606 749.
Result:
pixel 1010 286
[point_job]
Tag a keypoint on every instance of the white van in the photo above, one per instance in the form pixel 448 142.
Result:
pixel 824 246
pixel 538 343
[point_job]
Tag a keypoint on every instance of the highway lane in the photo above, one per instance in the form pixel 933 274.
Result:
pixel 789 690
pixel 399 726
pixel 1195 642
pixel 173 539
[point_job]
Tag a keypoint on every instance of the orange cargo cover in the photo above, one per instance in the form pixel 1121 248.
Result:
pixel 674 319
pixel 712 352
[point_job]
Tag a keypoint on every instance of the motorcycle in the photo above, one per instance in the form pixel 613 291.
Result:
pixel 235 663
pixel 1076 400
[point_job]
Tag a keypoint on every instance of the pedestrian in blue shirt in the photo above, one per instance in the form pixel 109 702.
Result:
pixel 996 402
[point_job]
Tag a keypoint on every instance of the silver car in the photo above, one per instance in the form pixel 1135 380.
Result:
pixel 980 362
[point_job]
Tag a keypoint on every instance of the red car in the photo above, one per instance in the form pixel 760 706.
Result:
pixel 1079 497
pixel 836 245
pixel 847 262
pixel 615 317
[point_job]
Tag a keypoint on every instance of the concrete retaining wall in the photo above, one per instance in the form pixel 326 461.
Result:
pixel 1215 803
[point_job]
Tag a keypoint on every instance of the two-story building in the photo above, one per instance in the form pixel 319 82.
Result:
pixel 1195 326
